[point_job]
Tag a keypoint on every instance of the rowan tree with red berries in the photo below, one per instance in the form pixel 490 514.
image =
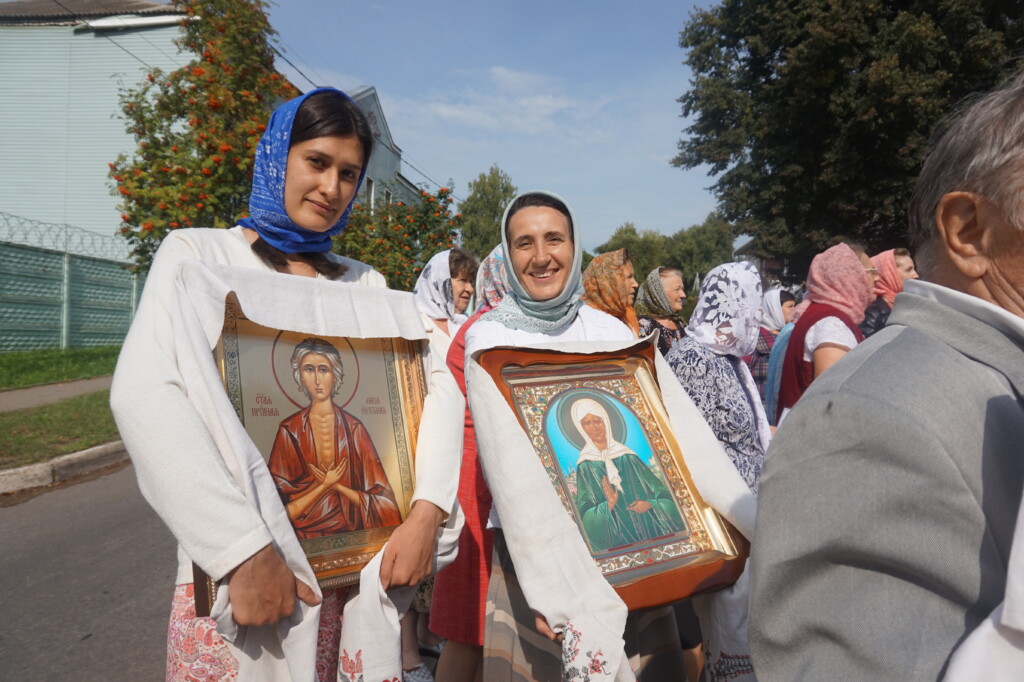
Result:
pixel 398 238
pixel 197 127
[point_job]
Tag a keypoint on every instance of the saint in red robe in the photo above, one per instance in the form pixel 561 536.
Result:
pixel 294 450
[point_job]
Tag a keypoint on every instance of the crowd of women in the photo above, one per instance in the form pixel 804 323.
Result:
pixel 744 358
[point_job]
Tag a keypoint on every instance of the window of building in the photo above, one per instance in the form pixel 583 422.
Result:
pixel 370 193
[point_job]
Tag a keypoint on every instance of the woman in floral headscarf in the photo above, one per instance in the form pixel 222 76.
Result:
pixel 658 304
pixel 709 364
pixel 610 287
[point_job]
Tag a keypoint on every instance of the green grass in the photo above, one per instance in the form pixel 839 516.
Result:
pixel 38 434
pixel 28 368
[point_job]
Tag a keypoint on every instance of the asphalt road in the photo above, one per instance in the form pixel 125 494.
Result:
pixel 86 578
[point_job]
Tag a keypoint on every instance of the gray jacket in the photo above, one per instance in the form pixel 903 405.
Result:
pixel 888 501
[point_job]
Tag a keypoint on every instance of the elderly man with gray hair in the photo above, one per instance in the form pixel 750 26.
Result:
pixel 889 501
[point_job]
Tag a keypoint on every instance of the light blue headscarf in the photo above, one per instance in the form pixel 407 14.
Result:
pixel 518 310
pixel 266 202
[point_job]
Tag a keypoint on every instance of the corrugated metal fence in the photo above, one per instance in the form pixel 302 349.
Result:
pixel 62 287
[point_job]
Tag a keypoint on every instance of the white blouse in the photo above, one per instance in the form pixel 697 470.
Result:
pixel 827 330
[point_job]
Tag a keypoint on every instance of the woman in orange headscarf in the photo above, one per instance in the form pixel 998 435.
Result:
pixel 610 286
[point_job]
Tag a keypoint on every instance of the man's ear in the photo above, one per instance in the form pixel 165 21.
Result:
pixel 962 220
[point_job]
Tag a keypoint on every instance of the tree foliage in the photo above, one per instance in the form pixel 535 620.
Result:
pixel 815 114
pixel 482 210
pixel 698 249
pixel 197 127
pixel 647 249
pixel 694 250
pixel 398 239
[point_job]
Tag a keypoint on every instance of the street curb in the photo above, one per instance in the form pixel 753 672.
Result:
pixel 62 468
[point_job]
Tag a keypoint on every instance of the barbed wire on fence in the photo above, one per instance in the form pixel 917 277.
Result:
pixel 62 237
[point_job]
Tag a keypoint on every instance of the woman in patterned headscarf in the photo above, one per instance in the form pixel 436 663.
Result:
pixel 709 364
pixel 609 286
pixel 658 304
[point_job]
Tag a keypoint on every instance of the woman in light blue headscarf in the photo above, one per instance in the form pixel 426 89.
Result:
pixel 543 258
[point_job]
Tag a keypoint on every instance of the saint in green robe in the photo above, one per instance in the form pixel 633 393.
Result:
pixel 608 525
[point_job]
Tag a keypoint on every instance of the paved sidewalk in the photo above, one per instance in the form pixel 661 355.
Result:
pixel 65 467
pixel 34 396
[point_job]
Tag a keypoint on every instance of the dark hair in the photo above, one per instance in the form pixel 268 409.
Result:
pixel 322 114
pixel 627 257
pixel 900 253
pixel 331 113
pixel 462 264
pixel 539 199
pixel 786 297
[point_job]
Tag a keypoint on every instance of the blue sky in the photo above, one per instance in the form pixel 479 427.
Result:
pixel 575 97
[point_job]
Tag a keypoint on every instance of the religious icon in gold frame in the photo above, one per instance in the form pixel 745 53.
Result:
pixel 600 429
pixel 336 420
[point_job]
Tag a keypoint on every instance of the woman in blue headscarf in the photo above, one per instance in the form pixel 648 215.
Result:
pixel 308 168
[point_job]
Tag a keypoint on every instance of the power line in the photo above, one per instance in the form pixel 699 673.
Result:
pixel 129 52
pixel 405 159
pixel 281 55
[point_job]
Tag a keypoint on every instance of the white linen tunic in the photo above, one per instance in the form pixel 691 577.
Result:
pixel 180 472
pixel 218 512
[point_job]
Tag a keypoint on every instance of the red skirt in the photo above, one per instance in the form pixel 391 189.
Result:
pixel 460 589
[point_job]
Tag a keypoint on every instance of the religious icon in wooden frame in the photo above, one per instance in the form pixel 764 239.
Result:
pixel 600 429
pixel 336 420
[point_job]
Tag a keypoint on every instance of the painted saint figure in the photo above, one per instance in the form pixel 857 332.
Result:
pixel 323 460
pixel 620 500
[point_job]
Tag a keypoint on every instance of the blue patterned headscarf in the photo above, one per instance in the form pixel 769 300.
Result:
pixel 266 202
pixel 518 310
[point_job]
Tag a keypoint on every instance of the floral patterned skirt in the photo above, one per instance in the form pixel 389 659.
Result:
pixel 197 653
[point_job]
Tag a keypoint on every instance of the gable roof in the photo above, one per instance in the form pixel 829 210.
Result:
pixel 369 101
pixel 49 12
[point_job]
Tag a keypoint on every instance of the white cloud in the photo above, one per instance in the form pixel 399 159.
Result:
pixel 500 100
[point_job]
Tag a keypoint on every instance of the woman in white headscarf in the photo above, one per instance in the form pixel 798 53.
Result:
pixel 708 363
pixel 778 307
pixel 445 287
pixel 619 500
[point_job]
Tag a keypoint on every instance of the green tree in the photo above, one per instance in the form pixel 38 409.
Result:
pixel 647 249
pixel 398 239
pixel 482 209
pixel 698 249
pixel 197 127
pixel 814 115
